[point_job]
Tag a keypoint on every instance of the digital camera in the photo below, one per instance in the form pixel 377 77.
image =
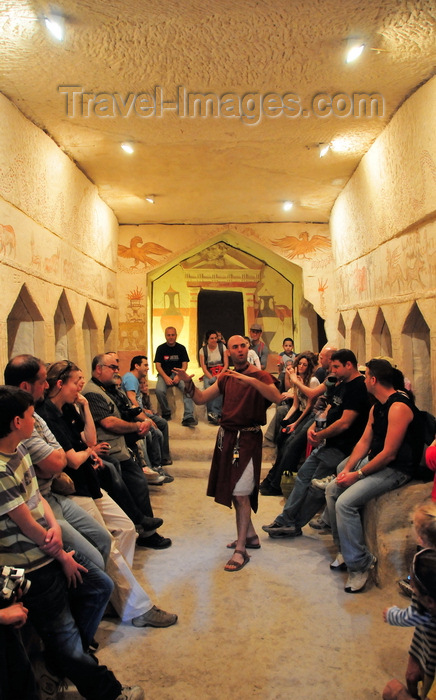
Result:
pixel 12 581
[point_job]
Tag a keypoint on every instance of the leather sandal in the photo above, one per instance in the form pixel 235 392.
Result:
pixel 237 566
pixel 250 543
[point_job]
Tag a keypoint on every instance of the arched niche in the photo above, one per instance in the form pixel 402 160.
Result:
pixel 381 337
pixel 416 354
pixel 109 341
pixel 358 339
pixel 65 342
pixel 341 332
pixel 312 331
pixel 25 326
pixel 90 339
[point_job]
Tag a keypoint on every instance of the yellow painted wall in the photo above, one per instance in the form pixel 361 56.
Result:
pixel 56 235
pixel 383 228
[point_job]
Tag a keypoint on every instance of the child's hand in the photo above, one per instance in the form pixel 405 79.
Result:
pixel 385 614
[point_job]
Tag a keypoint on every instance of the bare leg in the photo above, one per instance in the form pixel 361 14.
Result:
pixel 244 526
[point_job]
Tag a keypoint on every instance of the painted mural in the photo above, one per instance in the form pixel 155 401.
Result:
pixel 140 253
pixel 303 246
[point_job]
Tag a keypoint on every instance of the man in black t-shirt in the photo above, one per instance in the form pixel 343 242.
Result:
pixel 168 356
pixel 346 419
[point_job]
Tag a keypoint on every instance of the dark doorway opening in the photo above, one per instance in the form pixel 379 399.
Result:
pixel 322 337
pixel 220 311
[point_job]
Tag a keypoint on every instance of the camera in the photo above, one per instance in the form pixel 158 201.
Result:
pixel 12 581
pixel 129 413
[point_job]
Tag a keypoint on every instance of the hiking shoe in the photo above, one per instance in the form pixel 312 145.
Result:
pixel 155 617
pixel 154 541
pixel 323 483
pixel 148 523
pixel 277 530
pixel 338 564
pixel 190 422
pixel 167 477
pixel 357 579
pixel 213 418
pixel 131 692
pixel 152 476
pixel 319 524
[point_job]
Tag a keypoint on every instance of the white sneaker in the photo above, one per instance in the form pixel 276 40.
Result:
pixel 323 483
pixel 338 564
pixel 131 692
pixel 357 579
pixel 152 476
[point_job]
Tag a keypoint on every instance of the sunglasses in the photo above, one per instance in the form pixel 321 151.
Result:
pixel 254 330
pixel 65 370
pixel 114 367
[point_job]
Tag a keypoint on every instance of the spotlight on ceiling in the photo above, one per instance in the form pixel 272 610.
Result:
pixel 56 27
pixel 340 145
pixel 354 52
pixel 127 147
pixel 150 199
pixel 287 206
pixel 323 149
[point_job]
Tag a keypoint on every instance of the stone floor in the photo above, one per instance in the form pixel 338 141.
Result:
pixel 280 629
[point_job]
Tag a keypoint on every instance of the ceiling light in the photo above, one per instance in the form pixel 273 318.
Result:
pixel 150 199
pixel 55 25
pixel 354 53
pixel 127 147
pixel 287 206
pixel 323 149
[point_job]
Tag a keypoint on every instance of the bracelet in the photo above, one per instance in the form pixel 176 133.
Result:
pixel 190 388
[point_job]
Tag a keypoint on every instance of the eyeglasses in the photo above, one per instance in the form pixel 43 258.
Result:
pixel 255 330
pixel 115 368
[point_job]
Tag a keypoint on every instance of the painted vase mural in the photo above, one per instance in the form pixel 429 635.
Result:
pixel 172 315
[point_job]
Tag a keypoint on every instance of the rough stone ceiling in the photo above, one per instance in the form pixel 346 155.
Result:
pixel 217 168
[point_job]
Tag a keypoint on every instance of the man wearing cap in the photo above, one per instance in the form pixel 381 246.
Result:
pixel 258 345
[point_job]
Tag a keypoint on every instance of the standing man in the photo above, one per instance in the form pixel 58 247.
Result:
pixel 382 460
pixel 258 345
pixel 235 471
pixel 168 356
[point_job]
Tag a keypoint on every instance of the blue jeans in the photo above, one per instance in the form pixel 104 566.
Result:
pixel 50 613
pixel 161 395
pixel 216 404
pixel 321 462
pixel 344 506
pixel 16 675
pixel 81 531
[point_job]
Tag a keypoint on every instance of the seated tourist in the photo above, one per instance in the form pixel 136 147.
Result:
pixel 158 449
pixel 346 418
pixel 213 360
pixel 112 428
pixel 75 434
pixel 292 440
pixel 31 539
pixel 384 459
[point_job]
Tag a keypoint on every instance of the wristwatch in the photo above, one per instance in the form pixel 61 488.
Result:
pixel 361 474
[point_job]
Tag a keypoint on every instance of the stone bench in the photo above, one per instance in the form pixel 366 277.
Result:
pixel 389 534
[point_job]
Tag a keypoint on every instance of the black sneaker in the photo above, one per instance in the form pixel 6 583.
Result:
pixel 269 490
pixel 168 478
pixel 190 422
pixel 151 523
pixel 155 541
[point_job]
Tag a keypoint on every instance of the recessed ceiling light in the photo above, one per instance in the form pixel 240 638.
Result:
pixel 56 27
pixel 354 52
pixel 127 147
pixel 287 206
pixel 323 149
pixel 150 198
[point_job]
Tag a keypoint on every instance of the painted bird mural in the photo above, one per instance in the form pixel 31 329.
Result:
pixel 303 245
pixel 141 253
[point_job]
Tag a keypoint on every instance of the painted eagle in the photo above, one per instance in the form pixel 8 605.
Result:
pixel 303 245
pixel 140 253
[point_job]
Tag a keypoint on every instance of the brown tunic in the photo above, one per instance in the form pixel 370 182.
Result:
pixel 243 412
